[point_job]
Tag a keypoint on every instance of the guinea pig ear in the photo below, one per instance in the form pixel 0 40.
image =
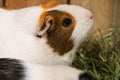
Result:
pixel 50 4
pixel 45 27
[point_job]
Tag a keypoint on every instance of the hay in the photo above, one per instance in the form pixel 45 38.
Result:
pixel 100 57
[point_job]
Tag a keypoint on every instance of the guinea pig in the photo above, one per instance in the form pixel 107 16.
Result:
pixel 46 34
pixel 15 69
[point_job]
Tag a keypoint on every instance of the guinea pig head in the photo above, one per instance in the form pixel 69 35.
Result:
pixel 57 27
pixel 63 30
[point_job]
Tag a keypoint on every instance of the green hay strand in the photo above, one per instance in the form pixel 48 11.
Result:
pixel 100 57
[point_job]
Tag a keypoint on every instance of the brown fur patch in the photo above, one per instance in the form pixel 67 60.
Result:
pixel 59 36
pixel 49 4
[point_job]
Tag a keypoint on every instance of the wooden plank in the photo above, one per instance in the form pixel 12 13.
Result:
pixel 83 3
pixel 0 3
pixel 117 25
pixel 38 2
pixel 35 2
pixel 102 10
pixel 62 1
pixel 15 4
pixel 119 15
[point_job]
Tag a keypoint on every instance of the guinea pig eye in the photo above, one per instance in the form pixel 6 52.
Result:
pixel 66 22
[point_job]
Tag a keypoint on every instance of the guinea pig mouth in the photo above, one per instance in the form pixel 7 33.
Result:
pixel 44 28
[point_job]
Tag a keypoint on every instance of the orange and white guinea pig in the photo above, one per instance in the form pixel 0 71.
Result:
pixel 45 34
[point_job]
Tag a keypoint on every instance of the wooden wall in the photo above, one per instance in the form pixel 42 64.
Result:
pixel 103 10
pixel 0 3
pixel 119 16
pixel 24 3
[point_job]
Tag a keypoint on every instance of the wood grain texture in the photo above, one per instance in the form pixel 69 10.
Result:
pixel 119 15
pixel 16 4
pixel 38 2
pixel 102 10
pixel 0 3
pixel 62 1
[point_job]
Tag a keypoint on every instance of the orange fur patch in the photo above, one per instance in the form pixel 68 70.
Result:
pixel 49 4
pixel 42 19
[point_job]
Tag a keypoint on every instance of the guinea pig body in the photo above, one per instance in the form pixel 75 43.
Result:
pixel 43 35
pixel 15 69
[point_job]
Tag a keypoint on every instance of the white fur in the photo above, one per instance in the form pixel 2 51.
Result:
pixel 18 40
pixel 55 72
